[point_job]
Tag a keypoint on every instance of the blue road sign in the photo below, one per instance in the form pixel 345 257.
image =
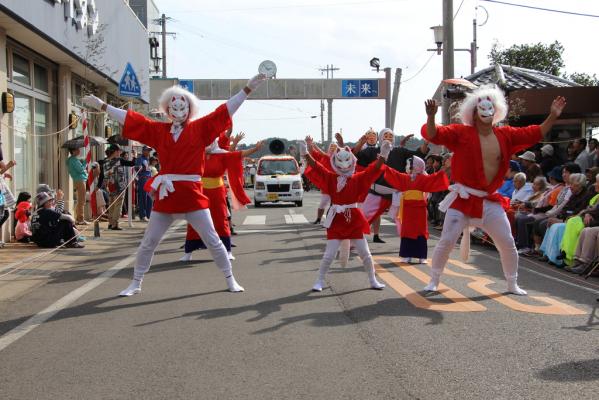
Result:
pixel 360 88
pixel 129 85
pixel 186 84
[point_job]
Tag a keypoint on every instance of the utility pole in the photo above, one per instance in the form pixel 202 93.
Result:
pixel 329 69
pixel 448 70
pixel 396 85
pixel 162 21
pixel 321 121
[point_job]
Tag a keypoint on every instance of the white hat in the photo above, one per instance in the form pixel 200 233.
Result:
pixel 547 150
pixel 528 156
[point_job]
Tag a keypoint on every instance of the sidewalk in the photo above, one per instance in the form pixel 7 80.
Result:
pixel 23 266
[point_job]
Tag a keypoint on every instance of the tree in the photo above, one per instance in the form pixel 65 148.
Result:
pixel 583 79
pixel 540 57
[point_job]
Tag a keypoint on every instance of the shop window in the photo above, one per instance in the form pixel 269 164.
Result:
pixel 40 77
pixel 21 70
pixel 23 141
pixel 43 143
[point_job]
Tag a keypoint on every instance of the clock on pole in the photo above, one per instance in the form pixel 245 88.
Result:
pixel 268 68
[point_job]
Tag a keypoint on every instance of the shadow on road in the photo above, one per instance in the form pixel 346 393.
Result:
pixel 574 371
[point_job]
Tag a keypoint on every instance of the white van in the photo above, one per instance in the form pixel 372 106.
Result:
pixel 278 179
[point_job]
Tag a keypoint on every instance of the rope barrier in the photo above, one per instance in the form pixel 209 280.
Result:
pixel 20 264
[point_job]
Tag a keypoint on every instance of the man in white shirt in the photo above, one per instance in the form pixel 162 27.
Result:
pixel 522 189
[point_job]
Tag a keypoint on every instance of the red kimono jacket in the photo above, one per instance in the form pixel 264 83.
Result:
pixel 358 184
pixel 467 162
pixel 412 211
pixel 185 156
pixel 214 189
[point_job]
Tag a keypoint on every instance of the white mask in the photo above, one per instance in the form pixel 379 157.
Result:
pixel 178 109
pixel 344 161
pixel 485 109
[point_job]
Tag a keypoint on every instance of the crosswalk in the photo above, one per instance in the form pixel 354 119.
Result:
pixel 290 219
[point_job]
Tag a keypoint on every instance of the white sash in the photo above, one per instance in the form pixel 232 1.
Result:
pixel 164 183
pixel 463 191
pixel 337 209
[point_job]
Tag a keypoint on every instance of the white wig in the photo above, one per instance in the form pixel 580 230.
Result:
pixel 382 135
pixel 468 106
pixel 194 102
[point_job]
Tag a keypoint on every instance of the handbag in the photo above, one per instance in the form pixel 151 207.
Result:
pixel 8 198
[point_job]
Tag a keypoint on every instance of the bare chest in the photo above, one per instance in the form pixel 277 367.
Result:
pixel 491 155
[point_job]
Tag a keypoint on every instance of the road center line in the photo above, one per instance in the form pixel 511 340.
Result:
pixel 18 332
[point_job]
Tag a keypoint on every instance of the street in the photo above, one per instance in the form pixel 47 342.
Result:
pixel 186 337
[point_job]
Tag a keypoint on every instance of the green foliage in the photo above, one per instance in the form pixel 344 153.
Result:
pixel 583 79
pixel 540 56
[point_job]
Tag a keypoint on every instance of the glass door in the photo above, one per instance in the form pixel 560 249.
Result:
pixel 23 143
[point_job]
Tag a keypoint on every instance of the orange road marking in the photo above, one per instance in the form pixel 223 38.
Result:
pixel 460 303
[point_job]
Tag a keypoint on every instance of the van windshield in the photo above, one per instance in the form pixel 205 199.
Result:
pixel 278 167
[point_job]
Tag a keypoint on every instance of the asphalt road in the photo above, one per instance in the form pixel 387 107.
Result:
pixel 185 337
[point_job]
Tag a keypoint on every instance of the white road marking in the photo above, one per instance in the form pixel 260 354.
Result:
pixel 255 220
pixel 266 230
pixel 386 222
pixel 16 333
pixel 296 219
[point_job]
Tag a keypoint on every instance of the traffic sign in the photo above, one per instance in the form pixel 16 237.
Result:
pixel 360 88
pixel 186 84
pixel 129 85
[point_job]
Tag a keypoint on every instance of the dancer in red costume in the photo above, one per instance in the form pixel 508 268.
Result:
pixel 178 187
pixel 344 219
pixel 219 162
pixel 412 216
pixel 481 155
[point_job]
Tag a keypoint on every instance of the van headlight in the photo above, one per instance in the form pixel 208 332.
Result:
pixel 296 185
pixel 260 186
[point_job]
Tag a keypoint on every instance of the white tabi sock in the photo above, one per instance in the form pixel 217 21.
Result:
pixel 233 285
pixel 186 257
pixel 133 288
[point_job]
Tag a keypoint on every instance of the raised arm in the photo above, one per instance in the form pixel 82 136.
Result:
pixel 235 102
pixel 431 107
pixel 117 114
pixel 254 149
pixel 359 145
pixel 557 106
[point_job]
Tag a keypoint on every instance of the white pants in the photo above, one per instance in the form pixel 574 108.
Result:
pixel 361 246
pixel 325 200
pixel 159 223
pixel 494 222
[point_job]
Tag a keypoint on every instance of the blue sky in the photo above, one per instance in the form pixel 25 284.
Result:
pixel 229 39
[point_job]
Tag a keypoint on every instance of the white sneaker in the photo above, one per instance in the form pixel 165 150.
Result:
pixel 186 257
pixel 233 285
pixel 318 285
pixel 133 288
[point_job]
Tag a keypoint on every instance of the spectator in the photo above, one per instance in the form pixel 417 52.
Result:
pixel 529 165
pixel 52 228
pixel 76 167
pixel 591 174
pixel 574 225
pixel 253 173
pixel 144 199
pixel 522 189
pixel 116 182
pixel 583 157
pixel 551 245
pixel 548 161
pixel 507 188
pixel 593 149
pixel 153 166
pixel 536 210
pixel 23 228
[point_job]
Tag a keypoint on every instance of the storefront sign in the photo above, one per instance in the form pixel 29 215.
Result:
pixel 82 13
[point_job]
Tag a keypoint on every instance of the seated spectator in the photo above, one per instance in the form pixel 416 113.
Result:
pixel 529 165
pixel 541 220
pixel 583 157
pixel 587 249
pixel 522 189
pixel 507 188
pixel 586 218
pixel 591 174
pixel 532 209
pixel 548 161
pixel 50 227
pixel 551 245
pixel 23 228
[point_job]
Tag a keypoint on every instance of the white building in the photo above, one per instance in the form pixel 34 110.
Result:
pixel 52 52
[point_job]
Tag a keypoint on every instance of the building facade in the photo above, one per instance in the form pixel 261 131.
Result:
pixel 52 53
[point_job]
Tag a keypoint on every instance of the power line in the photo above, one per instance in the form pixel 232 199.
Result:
pixel 542 9
pixel 420 70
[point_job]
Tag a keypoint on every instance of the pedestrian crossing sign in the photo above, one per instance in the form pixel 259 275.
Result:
pixel 129 85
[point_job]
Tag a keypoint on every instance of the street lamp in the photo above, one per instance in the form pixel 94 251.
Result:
pixel 438 33
pixel 375 63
